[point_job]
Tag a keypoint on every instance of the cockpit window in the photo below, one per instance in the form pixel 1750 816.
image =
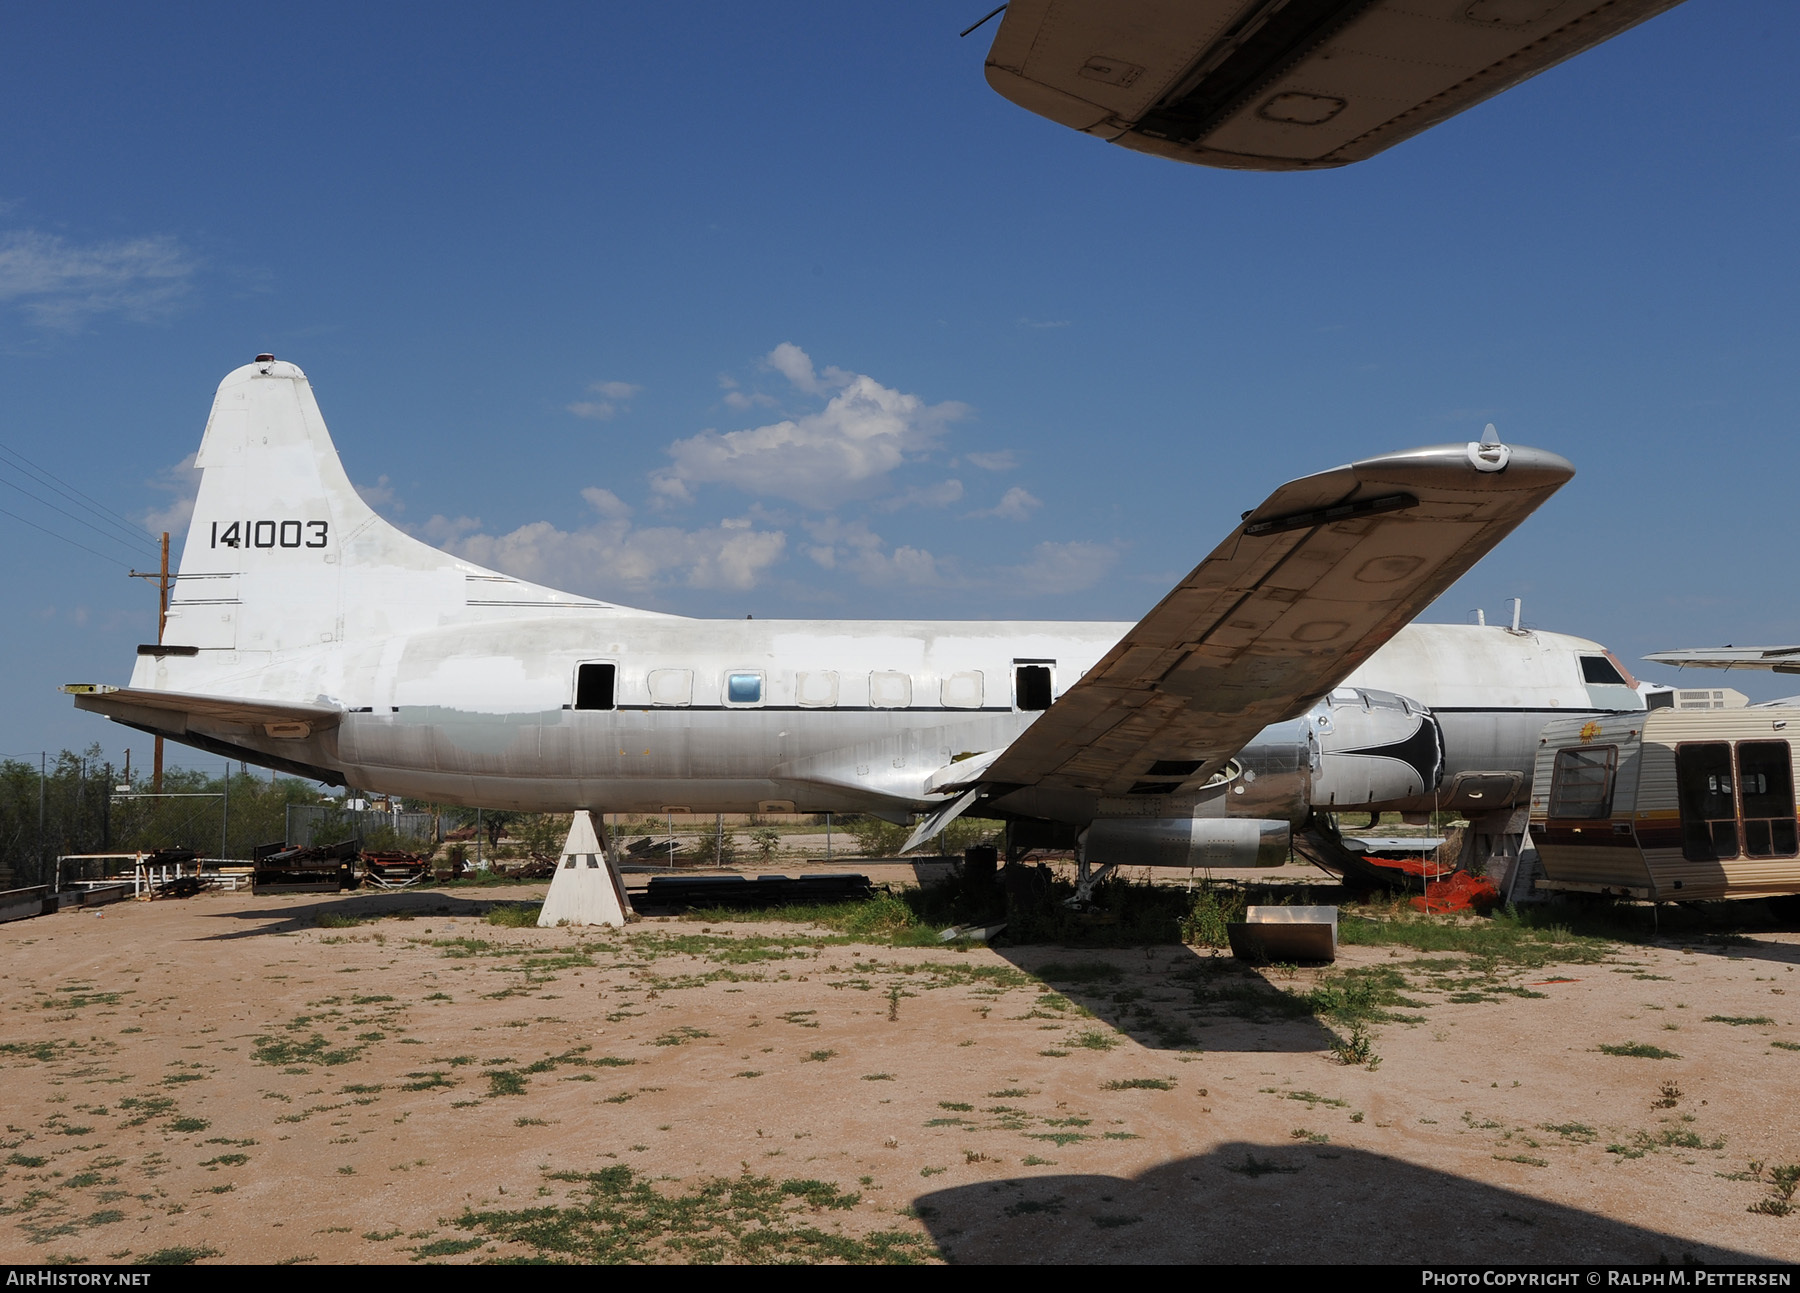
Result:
pixel 1598 671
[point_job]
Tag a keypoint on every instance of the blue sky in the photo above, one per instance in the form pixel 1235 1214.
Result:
pixel 541 262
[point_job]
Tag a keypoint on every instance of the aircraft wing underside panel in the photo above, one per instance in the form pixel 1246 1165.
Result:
pixel 1778 659
pixel 1282 84
pixel 1307 588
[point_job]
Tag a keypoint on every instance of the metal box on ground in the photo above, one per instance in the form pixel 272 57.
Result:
pixel 1285 934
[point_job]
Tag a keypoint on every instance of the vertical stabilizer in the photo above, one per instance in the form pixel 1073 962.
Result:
pixel 283 554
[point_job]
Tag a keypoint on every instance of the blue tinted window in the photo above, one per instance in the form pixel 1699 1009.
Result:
pixel 743 688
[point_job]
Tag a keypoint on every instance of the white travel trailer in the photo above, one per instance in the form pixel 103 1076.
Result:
pixel 1669 805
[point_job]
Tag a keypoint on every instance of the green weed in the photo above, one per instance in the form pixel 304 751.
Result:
pixel 515 915
pixel 614 1215
pixel 1638 1050
pixel 185 1256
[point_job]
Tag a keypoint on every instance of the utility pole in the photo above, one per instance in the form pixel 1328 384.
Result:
pixel 162 622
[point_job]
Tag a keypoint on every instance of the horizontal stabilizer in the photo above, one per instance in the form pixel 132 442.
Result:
pixel 174 711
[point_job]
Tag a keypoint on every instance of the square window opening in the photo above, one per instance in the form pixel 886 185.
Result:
pixel 1031 683
pixel 594 686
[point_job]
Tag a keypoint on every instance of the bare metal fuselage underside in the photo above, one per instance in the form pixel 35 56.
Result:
pixel 456 718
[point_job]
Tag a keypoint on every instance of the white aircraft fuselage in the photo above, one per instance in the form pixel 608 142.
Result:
pixel 308 634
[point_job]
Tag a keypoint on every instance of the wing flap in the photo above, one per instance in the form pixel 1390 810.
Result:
pixel 1306 589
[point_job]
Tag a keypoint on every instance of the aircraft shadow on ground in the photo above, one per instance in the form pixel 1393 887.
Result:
pixel 1248 1203
pixel 1750 948
pixel 1175 998
pixel 385 904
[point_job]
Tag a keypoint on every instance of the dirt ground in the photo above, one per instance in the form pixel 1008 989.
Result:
pixel 223 1078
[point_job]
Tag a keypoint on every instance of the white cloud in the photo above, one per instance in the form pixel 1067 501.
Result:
pixel 1017 504
pixel 381 496
pixel 796 365
pixel 181 483
pixel 612 554
pixel 61 284
pixel 851 546
pixel 605 502
pixel 1000 460
pixel 444 531
pixel 748 400
pixel 613 395
pixel 1063 567
pixel 865 431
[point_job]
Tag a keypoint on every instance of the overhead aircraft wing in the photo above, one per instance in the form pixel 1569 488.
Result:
pixel 1281 85
pixel 1779 659
pixel 1327 569
pixel 174 712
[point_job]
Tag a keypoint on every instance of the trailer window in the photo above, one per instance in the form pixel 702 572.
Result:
pixel 1581 785
pixel 1708 800
pixel 1766 789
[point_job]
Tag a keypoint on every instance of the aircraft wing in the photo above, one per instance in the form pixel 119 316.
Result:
pixel 1779 659
pixel 1278 85
pixel 1327 569
pixel 174 712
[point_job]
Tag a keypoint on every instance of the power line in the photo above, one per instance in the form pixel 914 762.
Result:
pixel 107 535
pixel 65 538
pixel 49 478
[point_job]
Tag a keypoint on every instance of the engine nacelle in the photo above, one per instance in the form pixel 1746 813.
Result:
pixel 1186 842
pixel 1374 747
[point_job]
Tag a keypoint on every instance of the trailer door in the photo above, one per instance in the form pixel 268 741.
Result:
pixel 1766 789
pixel 1709 823
pixel 1732 805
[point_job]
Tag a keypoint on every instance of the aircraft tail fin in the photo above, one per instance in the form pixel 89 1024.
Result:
pixel 282 552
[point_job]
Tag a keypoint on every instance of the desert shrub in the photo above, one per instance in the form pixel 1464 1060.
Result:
pixel 1213 909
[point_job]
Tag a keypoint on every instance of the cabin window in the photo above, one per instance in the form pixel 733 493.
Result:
pixel 1581 785
pixel 1703 784
pixel 963 690
pixel 816 689
pixel 890 690
pixel 594 686
pixel 743 688
pixel 671 686
pixel 1031 686
pixel 1766 790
